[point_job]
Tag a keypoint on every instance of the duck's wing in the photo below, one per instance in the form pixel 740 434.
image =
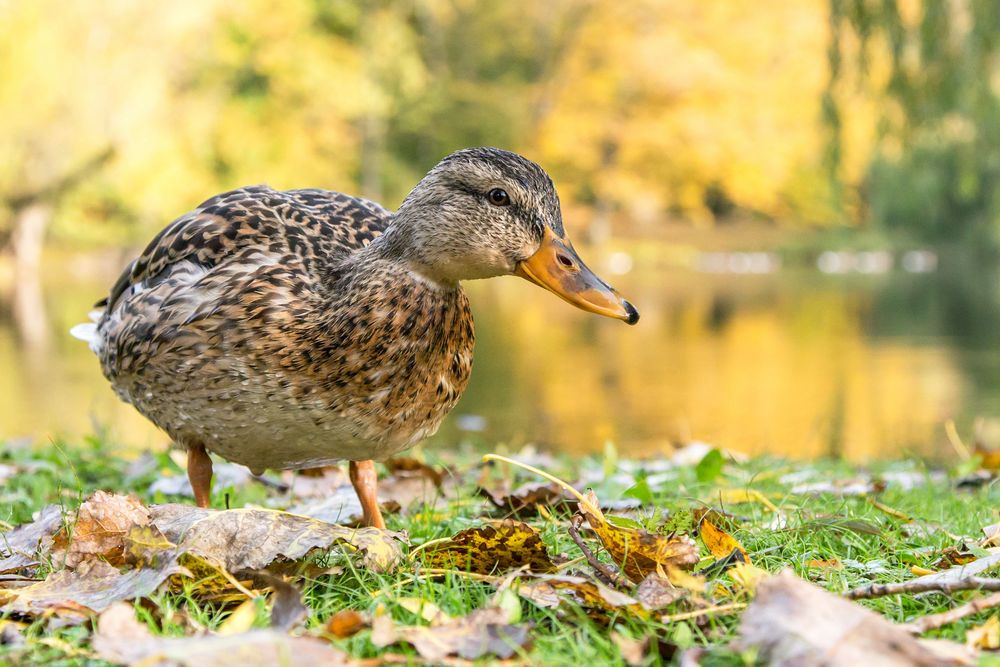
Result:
pixel 256 224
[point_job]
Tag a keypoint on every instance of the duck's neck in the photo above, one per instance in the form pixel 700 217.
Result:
pixel 408 244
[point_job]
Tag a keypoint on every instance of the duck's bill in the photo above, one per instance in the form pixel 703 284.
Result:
pixel 557 268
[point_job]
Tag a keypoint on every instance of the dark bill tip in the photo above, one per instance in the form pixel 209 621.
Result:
pixel 632 315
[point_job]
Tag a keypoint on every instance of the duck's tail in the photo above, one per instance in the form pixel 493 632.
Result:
pixel 87 331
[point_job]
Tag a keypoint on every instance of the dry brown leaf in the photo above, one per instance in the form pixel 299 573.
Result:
pixel 637 552
pixel 345 623
pixel 656 593
pixel 523 499
pixel 831 563
pixel 484 632
pixel 122 639
pixel 552 591
pixel 93 586
pixel 288 610
pixel 402 466
pixel 494 548
pixel 20 547
pixel 101 530
pixel 633 651
pixel 796 624
pixel 251 539
pixel 721 544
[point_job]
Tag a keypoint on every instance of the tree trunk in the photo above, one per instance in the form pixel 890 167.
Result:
pixel 30 319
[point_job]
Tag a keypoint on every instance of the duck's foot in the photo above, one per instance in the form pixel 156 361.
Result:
pixel 365 481
pixel 200 475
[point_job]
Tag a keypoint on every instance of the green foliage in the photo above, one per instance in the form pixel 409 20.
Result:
pixel 931 68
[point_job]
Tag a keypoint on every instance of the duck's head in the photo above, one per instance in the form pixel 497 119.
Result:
pixel 484 212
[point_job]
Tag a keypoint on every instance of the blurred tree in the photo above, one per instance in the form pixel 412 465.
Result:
pixel 642 108
pixel 932 67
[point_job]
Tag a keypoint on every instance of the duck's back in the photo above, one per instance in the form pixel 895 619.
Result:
pixel 253 225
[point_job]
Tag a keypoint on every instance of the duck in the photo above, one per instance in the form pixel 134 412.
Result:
pixel 301 328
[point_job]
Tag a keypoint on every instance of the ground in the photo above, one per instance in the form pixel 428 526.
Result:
pixel 839 525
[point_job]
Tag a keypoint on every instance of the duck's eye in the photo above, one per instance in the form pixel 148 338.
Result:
pixel 498 197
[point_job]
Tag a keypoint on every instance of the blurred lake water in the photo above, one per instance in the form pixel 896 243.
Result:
pixel 794 362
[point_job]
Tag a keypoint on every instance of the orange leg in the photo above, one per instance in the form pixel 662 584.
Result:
pixel 200 475
pixel 365 481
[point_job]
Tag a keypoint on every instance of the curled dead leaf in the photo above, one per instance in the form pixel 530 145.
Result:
pixel 795 623
pixel 637 552
pixel 251 539
pixel 20 548
pixel 93 587
pixel 523 499
pixel 103 523
pixel 493 548
pixel 120 638
pixel 484 632
pixel 553 591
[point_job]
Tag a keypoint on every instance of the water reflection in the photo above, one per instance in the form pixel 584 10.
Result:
pixel 794 363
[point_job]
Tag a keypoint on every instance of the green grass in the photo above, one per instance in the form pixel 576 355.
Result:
pixel 817 527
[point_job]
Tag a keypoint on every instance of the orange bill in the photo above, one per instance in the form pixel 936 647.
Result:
pixel 557 268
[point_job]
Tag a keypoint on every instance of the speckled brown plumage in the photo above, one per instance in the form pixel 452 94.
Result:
pixel 292 329
pixel 246 327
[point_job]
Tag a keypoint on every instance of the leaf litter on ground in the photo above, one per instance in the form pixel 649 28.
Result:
pixel 659 574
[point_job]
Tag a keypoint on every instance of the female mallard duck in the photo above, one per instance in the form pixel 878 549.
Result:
pixel 294 329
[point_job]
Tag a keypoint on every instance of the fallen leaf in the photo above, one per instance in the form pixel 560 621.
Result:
pixel 992 536
pixel 425 609
pixel 103 523
pixel 345 623
pixel 251 539
pixel 747 576
pixel 288 610
pixel 493 548
pixel 656 593
pixel 832 563
pixel 793 623
pixel 721 544
pixel 92 587
pixel 19 548
pixel 951 556
pixel 240 620
pixel 632 650
pixel 120 638
pixel 402 466
pixel 523 499
pixel 552 591
pixel 985 636
pixel 483 632
pixel 637 552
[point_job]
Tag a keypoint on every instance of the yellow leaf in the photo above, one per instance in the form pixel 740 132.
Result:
pixel 985 636
pixel 739 496
pixel 720 543
pixel 747 576
pixel 496 547
pixel 638 552
pixel 241 620
pixel 425 609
